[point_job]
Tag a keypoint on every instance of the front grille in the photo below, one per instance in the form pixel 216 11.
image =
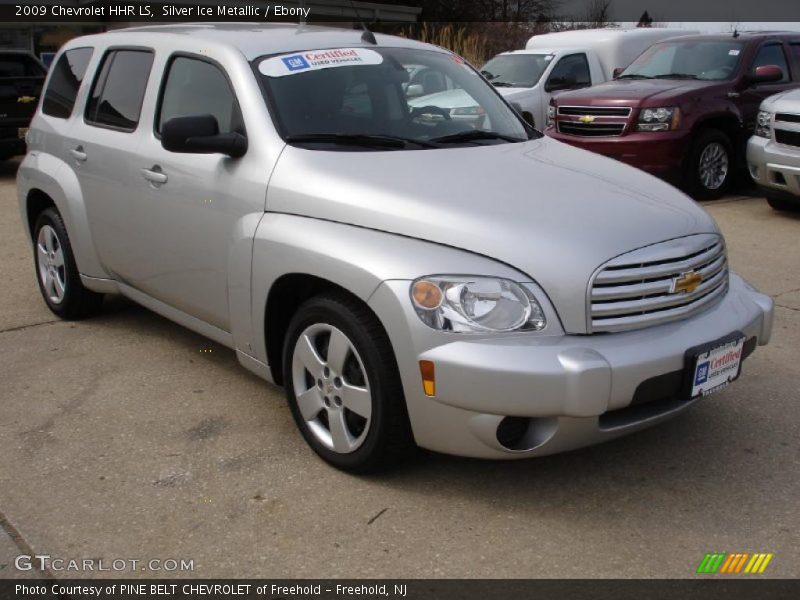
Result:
pixel 790 138
pixel 595 111
pixel 600 121
pixel 635 290
pixel 787 118
pixel 591 129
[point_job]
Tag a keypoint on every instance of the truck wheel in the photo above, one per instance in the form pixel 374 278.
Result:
pixel 56 272
pixel 710 167
pixel 783 204
pixel 343 385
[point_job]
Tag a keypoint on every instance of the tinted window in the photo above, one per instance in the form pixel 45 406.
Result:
pixel 62 90
pixel 118 90
pixel 687 59
pixel 795 48
pixel 19 65
pixel 196 87
pixel 772 54
pixel 572 68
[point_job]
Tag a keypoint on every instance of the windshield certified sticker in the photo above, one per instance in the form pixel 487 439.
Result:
pixel 314 60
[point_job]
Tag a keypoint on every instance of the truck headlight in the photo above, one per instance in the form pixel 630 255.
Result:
pixel 475 304
pixel 763 124
pixel 659 119
pixel 551 115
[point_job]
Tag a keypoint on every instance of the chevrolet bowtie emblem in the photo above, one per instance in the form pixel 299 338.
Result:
pixel 687 283
pixel 26 99
pixel 586 119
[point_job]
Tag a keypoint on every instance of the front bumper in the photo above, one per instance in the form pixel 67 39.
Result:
pixel 774 167
pixel 659 153
pixel 542 394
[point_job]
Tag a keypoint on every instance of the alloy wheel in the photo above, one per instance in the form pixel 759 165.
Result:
pixel 714 165
pixel 51 266
pixel 331 388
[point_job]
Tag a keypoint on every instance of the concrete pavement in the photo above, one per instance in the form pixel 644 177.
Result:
pixel 122 437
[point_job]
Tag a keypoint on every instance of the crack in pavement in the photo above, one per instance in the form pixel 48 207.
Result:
pixel 29 326
pixel 20 542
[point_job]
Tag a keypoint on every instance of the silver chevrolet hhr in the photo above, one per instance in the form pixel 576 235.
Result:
pixel 409 275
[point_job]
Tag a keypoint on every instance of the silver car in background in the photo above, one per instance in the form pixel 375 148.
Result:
pixel 773 153
pixel 271 188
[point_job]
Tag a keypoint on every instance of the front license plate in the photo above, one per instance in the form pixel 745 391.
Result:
pixel 22 132
pixel 717 366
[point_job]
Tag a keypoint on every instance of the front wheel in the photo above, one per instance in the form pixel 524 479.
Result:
pixel 343 386
pixel 710 167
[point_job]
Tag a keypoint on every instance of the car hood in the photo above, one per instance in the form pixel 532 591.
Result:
pixel 635 92
pixel 552 211
pixel 448 99
pixel 513 92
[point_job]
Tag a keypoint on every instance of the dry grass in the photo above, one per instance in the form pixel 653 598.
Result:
pixel 458 38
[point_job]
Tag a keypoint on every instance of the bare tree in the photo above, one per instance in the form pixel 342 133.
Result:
pixel 598 13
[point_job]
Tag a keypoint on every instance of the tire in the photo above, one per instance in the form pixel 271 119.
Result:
pixel 783 205
pixel 56 272
pixel 349 407
pixel 711 165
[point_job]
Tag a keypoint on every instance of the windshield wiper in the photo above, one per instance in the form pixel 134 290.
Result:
pixel 358 139
pixel 676 76
pixel 502 84
pixel 634 76
pixel 473 135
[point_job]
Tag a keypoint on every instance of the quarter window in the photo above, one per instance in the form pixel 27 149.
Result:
pixel 118 90
pixel 65 81
pixel 195 87
pixel 772 54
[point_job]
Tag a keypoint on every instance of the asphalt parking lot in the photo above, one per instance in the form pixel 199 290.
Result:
pixel 129 437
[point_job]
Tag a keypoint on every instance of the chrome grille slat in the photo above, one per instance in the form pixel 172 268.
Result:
pixel 595 111
pixel 635 290
pixel 665 269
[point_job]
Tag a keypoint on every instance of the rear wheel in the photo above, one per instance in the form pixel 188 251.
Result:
pixel 56 272
pixel 784 204
pixel 343 386
pixel 710 167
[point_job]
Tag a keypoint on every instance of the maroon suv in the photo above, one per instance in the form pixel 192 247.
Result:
pixel 685 108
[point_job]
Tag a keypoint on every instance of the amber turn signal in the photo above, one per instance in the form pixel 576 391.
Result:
pixel 428 377
pixel 427 295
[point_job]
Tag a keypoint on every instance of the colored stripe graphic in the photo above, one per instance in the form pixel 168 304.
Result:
pixel 734 562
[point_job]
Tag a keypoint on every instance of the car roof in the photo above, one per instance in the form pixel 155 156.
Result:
pixel 743 36
pixel 257 39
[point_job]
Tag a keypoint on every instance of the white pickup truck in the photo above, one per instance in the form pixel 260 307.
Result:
pixel 567 60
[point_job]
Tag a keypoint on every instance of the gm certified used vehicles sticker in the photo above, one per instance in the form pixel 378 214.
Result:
pixel 289 64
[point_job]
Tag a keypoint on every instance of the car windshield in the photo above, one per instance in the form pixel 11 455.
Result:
pixel 707 60
pixel 384 98
pixel 516 70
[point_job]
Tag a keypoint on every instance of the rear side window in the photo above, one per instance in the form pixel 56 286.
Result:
pixel 573 70
pixel 772 54
pixel 65 81
pixel 195 87
pixel 795 53
pixel 118 89
pixel 19 65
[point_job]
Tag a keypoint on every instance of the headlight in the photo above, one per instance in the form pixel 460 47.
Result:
pixel 475 304
pixel 763 124
pixel 551 115
pixel 659 119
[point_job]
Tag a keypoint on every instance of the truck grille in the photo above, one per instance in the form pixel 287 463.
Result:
pixel 787 118
pixel 790 138
pixel 593 121
pixel 638 289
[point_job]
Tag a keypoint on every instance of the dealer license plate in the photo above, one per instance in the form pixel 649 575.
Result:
pixel 717 367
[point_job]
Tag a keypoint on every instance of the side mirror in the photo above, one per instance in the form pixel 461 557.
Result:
pixel 199 134
pixel 527 117
pixel 415 90
pixel 555 84
pixel 766 74
pixel 617 72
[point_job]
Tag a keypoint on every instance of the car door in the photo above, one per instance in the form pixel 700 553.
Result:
pixel 189 205
pixel 102 147
pixel 769 53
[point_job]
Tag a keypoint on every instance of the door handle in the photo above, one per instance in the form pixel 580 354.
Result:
pixel 78 154
pixel 155 175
